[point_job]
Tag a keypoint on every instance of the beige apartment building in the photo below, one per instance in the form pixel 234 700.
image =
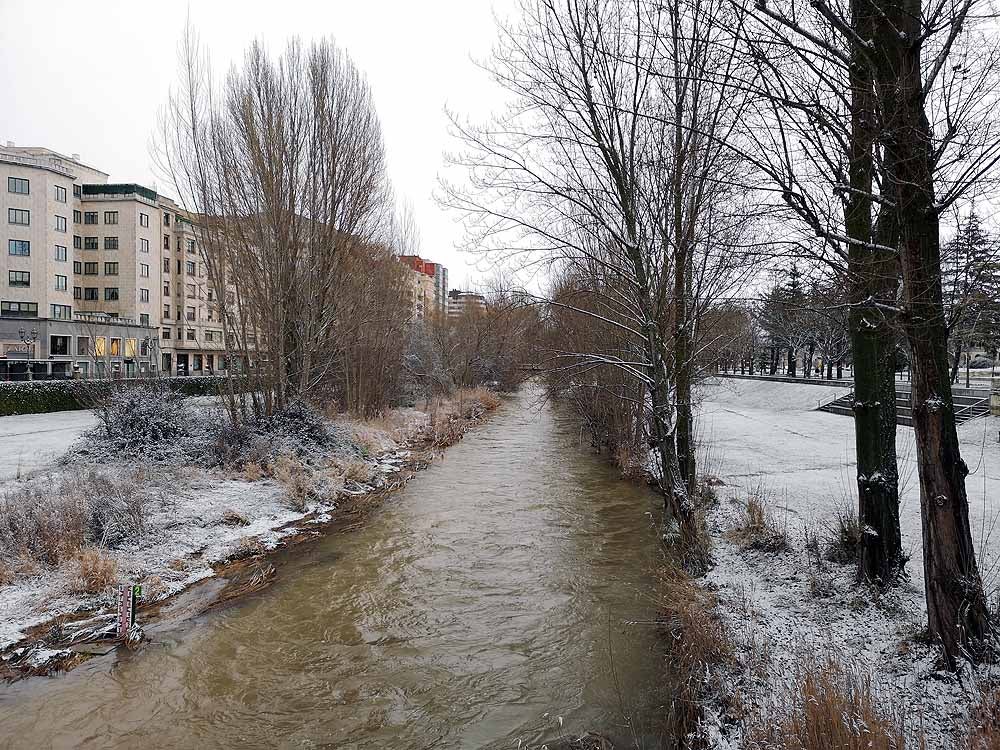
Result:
pixel 98 278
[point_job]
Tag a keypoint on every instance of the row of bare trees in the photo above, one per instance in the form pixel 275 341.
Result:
pixel 655 155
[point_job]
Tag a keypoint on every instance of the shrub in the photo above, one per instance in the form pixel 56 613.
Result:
pixel 97 572
pixel 142 421
pixel 299 484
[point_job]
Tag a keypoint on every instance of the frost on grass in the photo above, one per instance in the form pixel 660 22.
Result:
pixel 163 488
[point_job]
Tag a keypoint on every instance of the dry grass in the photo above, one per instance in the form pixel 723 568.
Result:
pixel 629 459
pixel 49 522
pixel 826 705
pixel 843 539
pixel 757 527
pixel 696 641
pixel 984 723
pixel 253 471
pixel 96 571
pixel 231 517
pixel 297 480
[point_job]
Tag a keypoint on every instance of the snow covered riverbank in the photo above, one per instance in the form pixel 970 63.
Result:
pixel 186 518
pixel 765 440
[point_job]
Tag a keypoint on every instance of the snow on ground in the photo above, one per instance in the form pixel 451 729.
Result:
pixel 190 523
pixel 767 435
pixel 34 440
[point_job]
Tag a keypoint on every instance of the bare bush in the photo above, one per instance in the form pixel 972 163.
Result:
pixel 984 723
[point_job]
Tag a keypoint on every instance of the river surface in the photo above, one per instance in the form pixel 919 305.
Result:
pixel 503 599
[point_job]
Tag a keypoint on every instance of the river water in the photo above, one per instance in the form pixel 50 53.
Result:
pixel 503 599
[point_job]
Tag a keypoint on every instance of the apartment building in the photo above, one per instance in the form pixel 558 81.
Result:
pixel 430 285
pixel 191 335
pixel 98 278
pixel 465 303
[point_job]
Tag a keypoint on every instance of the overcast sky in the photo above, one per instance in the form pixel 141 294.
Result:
pixel 91 77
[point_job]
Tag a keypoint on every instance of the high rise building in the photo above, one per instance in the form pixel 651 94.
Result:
pixel 434 291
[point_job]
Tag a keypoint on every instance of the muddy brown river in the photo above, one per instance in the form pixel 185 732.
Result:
pixel 503 599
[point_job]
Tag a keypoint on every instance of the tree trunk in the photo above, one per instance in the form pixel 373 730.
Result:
pixel 956 359
pixel 774 360
pixel 791 363
pixel 872 279
pixel 956 605
pixel 840 369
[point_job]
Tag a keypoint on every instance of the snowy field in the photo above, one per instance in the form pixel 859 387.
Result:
pixel 34 440
pixel 780 606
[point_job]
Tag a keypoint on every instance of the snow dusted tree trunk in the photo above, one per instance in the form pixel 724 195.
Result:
pixel 872 280
pixel 956 605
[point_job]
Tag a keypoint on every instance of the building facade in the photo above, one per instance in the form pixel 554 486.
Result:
pixel 430 286
pixel 98 278
pixel 465 303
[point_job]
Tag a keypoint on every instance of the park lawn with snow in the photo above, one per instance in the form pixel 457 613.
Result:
pixel 783 607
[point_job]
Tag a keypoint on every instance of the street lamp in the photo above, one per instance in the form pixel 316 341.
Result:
pixel 28 338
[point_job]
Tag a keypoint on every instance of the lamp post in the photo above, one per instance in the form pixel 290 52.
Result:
pixel 28 338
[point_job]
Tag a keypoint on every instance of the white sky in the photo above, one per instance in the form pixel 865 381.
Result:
pixel 91 77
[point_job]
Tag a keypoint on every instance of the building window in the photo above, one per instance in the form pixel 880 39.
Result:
pixel 110 269
pixel 110 243
pixel 18 216
pixel 60 194
pixel 166 220
pixel 90 269
pixel 166 312
pixel 190 334
pixel 19 309
pixel 197 362
pixel 90 293
pixel 190 313
pixel 144 295
pixel 110 294
pixel 166 288
pixel 143 245
pixel 90 217
pixel 190 246
pixel 144 319
pixel 59 345
pixel 110 217
pixel 77 242
pixel 77 191
pixel 61 253
pixel 83 344
pixel 189 267
pixel 166 265
pixel 60 223
pixel 116 347
pixel 165 333
pixel 18 247
pixel 18 278
pixel 77 266
pixel 143 220
pixel 62 312
pixel 60 283
pixel 144 270
pixel 166 242
pixel 17 185
pixel 90 243
pixel 190 291
pixel 77 216
pixel 78 292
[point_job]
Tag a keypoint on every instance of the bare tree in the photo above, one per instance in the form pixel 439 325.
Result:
pixel 282 170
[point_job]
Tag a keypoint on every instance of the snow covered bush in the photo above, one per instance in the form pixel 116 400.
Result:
pixel 96 572
pixel 143 421
pixel 843 542
pixel 757 528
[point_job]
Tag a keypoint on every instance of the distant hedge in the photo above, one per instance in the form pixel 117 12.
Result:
pixel 43 396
